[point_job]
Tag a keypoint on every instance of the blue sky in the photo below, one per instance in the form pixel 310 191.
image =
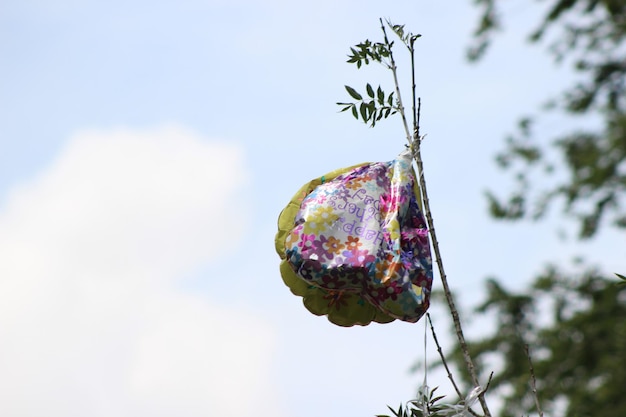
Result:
pixel 146 150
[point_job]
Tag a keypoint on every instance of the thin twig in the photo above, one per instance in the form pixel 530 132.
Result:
pixel 416 123
pixel 445 365
pixel 415 143
pixel 446 288
pixel 533 381
pixel 443 358
pixel 488 383
pixel 394 70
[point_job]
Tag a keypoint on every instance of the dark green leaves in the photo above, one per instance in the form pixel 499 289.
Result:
pixel 371 109
pixel 587 168
pixel 426 405
pixel 575 319
pixel 353 93
pixel 407 37
pixel 367 51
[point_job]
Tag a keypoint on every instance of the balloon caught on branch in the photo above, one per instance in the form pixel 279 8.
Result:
pixel 354 244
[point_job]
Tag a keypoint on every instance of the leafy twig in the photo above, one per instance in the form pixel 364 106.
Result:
pixel 394 71
pixel 370 112
pixel 415 143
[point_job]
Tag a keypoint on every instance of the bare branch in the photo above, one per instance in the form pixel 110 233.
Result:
pixel 533 381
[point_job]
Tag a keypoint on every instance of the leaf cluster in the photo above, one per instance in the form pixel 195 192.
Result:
pixel 364 52
pixel 375 104
pixel 407 38
pixel 429 405
pixel 371 108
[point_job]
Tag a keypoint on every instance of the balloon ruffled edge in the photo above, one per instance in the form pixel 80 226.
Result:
pixel 344 309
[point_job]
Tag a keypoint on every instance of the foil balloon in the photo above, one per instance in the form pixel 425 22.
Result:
pixel 354 244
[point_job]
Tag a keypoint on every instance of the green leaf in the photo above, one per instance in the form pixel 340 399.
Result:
pixel 381 96
pixel 370 90
pixel 353 93
pixel 363 109
pixel 346 108
pixel 390 100
pixel 354 112
pixel 623 278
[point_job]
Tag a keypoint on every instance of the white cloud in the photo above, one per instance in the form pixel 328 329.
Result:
pixel 91 250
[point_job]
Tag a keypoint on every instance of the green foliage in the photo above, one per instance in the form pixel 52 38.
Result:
pixel 428 405
pixel 575 327
pixel 366 51
pixel 372 106
pixel 375 106
pixel 589 35
pixel 569 323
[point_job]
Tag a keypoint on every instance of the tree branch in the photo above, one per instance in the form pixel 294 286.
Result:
pixel 415 143
pixel 533 381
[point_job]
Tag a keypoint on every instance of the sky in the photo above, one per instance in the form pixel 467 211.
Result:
pixel 146 150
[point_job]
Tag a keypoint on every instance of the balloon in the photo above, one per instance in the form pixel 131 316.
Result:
pixel 354 244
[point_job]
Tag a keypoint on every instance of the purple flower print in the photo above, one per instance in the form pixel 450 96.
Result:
pixel 379 294
pixel 318 249
pixel 310 270
pixel 332 281
pixel 393 289
pixel 357 276
pixel 342 194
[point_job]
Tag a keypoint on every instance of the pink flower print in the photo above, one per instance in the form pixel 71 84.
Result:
pixel 359 258
pixel 306 242
pixel 388 204
pixel 365 257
